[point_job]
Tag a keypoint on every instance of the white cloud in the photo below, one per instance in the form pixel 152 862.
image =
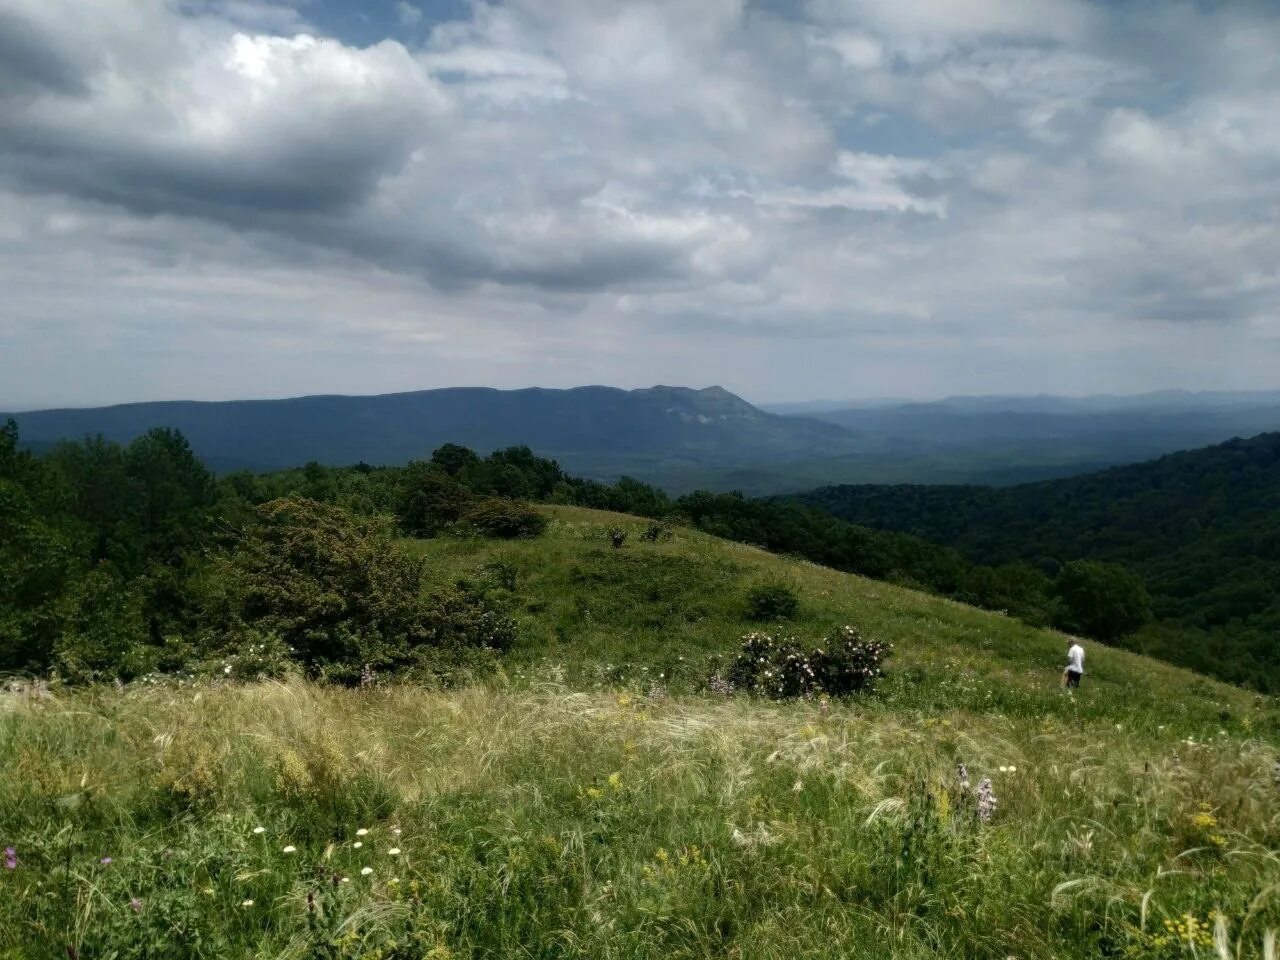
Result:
pixel 209 197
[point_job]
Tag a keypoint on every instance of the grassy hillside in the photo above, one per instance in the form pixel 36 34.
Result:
pixel 593 803
pixel 1202 527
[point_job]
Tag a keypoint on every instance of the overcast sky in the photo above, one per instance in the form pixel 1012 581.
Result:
pixel 832 198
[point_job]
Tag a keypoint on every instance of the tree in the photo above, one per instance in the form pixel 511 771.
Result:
pixel 1101 600
pixel 428 499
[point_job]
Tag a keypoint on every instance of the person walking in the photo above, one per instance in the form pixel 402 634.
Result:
pixel 1075 664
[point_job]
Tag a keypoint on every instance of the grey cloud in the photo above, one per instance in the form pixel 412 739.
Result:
pixel 30 60
pixel 565 186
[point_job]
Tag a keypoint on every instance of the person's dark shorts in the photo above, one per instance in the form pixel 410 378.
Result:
pixel 1073 678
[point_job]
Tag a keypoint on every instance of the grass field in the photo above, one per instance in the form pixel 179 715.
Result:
pixel 593 802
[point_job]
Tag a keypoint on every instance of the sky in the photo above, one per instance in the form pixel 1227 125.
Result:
pixel 794 199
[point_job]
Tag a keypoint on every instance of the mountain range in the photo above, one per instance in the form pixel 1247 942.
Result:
pixel 682 439
pixel 597 431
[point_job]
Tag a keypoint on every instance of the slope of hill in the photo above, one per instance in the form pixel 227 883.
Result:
pixel 1202 527
pixel 591 804
pixel 600 431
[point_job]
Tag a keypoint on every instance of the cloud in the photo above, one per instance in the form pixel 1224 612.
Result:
pixel 587 190
pixel 408 14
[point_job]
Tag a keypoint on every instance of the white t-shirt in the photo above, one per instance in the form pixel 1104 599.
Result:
pixel 1075 658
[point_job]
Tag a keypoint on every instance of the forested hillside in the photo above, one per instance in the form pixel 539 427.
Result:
pixel 1202 528
pixel 119 560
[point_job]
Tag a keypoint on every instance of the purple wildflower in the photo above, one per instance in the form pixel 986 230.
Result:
pixel 10 858
pixel 104 861
pixel 136 904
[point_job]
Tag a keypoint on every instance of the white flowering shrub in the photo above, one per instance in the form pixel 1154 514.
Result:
pixel 779 668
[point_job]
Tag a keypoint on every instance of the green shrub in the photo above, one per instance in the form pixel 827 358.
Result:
pixel 504 518
pixel 341 595
pixel 104 634
pixel 428 500
pixel 772 601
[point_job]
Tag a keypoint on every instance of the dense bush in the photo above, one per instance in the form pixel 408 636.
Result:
pixel 779 668
pixel 772 601
pixel 337 590
pixel 428 500
pixel 849 663
pixel 504 518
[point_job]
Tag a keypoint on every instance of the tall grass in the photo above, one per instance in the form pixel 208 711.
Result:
pixel 549 822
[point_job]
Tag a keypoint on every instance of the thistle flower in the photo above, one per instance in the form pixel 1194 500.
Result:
pixel 104 861
pixel 986 800
pixel 136 904
pixel 10 858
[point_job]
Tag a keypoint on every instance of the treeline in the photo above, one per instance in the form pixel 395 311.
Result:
pixel 1202 528
pixel 121 561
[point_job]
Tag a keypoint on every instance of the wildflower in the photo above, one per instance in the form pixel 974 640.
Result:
pixel 357 845
pixel 615 780
pixel 393 852
pixel 986 800
pixel 10 858
pixel 365 871
pixel 962 774
pixel 226 669
pixel 259 829
pixel 348 879
pixel 207 891
pixel 136 904
pixel 393 882
pixel 594 792
pixel 246 903
pixel 362 832
pixel 396 831
pixel 104 861
pixel 290 849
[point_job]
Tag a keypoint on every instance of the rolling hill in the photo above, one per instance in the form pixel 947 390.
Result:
pixel 1202 527
pixel 594 800
pixel 597 431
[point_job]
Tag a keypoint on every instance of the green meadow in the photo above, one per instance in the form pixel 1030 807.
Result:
pixel 596 799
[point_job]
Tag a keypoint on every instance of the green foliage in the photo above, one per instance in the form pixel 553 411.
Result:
pixel 104 631
pixel 1101 600
pixel 505 519
pixel 429 499
pixel 1201 528
pixel 772 601
pixel 339 593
